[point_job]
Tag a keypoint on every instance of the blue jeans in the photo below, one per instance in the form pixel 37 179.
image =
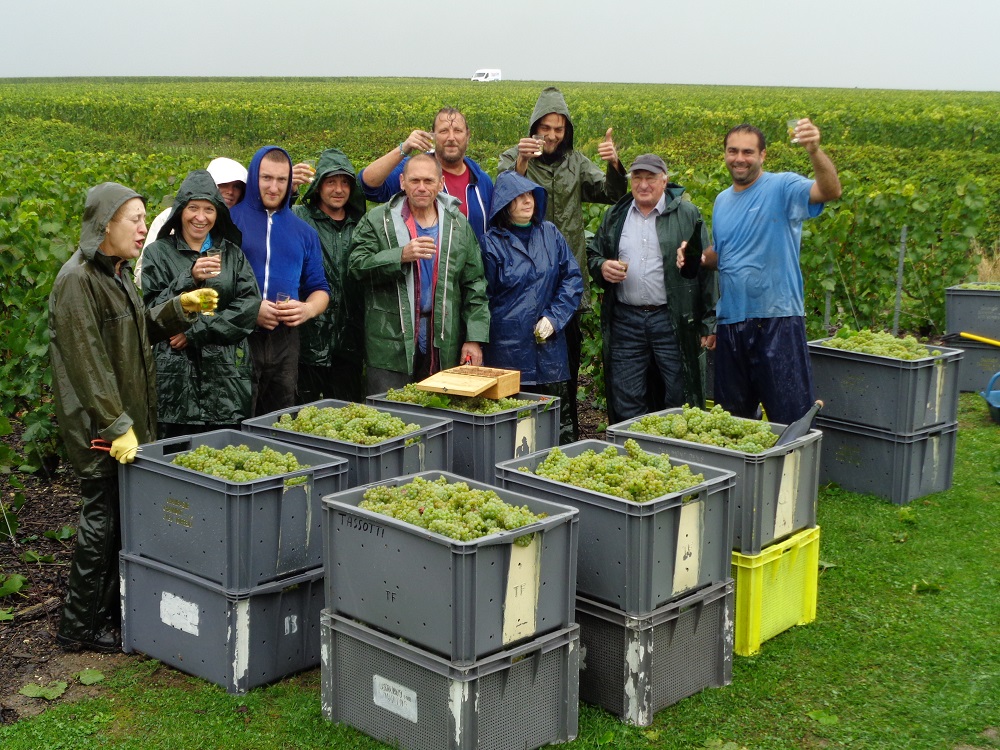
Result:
pixel 764 361
pixel 643 347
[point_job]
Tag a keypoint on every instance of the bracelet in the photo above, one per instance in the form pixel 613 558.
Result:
pixel 401 152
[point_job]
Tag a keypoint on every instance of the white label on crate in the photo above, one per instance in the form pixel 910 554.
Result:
pixel 690 530
pixel 179 613
pixel 939 377
pixel 788 492
pixel 394 697
pixel 520 604
pixel 524 436
pixel 458 697
pixel 241 654
pixel 291 624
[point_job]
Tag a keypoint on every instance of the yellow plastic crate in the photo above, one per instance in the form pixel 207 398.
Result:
pixel 775 590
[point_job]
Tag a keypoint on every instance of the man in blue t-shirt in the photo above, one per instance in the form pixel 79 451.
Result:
pixel 761 352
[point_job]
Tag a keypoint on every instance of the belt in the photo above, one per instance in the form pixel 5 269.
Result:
pixel 644 308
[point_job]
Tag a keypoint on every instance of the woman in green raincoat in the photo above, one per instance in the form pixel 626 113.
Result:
pixel 203 374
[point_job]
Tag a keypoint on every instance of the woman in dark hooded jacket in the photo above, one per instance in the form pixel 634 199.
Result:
pixel 534 286
pixel 203 376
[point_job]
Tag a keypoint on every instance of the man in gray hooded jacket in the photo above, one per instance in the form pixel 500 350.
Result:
pixel 548 158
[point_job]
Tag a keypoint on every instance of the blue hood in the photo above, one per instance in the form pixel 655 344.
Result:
pixel 508 186
pixel 252 197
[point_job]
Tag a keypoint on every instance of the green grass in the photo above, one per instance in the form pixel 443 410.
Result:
pixel 903 653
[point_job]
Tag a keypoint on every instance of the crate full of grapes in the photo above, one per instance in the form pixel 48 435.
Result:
pixel 973 308
pixel 652 527
pixel 376 443
pixel 236 640
pixel 236 509
pixel 879 381
pixel 485 430
pixel 524 698
pixel 457 567
pixel 775 490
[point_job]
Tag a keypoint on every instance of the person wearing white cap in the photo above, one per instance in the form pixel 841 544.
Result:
pixel 230 177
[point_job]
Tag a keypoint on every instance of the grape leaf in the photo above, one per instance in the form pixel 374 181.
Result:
pixel 12 584
pixel 49 692
pixel 90 676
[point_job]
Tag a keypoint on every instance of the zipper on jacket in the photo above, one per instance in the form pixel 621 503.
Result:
pixel 267 256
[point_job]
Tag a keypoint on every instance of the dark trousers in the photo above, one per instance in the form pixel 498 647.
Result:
pixel 643 345
pixel 574 340
pixel 92 602
pixel 764 361
pixel 275 368
pixel 342 379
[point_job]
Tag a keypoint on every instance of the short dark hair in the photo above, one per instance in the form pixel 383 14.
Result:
pixel 277 156
pixel 448 111
pixel 746 128
pixel 417 158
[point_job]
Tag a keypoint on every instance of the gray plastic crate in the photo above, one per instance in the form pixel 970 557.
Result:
pixel 885 393
pixel 427 449
pixel 635 666
pixel 972 311
pixel 979 363
pixel 237 641
pixel 462 600
pixel 408 698
pixel 899 468
pixel 639 556
pixel 236 534
pixel 481 440
pixel 775 492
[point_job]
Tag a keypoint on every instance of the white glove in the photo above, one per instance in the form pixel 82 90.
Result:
pixel 543 329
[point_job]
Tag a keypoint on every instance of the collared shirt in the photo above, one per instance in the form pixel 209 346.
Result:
pixel 640 248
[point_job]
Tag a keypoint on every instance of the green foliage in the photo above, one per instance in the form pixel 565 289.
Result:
pixel 49 692
pixel 61 137
pixel 90 676
pixel 12 584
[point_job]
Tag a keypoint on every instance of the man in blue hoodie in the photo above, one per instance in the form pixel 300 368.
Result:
pixel 463 178
pixel 287 260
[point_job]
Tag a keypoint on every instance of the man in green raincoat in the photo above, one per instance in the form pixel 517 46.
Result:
pixel 104 378
pixel 331 345
pixel 548 157
pixel 422 274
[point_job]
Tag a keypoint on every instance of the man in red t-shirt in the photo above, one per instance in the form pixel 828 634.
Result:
pixel 448 141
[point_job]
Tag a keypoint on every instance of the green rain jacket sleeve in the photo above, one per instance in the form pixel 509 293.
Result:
pixel 475 304
pixel 598 186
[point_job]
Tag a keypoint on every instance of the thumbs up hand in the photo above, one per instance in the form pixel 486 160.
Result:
pixel 606 149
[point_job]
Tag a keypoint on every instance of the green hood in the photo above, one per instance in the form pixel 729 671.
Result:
pixel 102 202
pixel 200 185
pixel 334 161
pixel 549 101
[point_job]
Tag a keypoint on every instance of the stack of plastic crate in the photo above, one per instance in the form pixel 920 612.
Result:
pixel 974 308
pixel 429 642
pixel 482 440
pixel 223 579
pixel 774 516
pixel 889 425
pixel 654 597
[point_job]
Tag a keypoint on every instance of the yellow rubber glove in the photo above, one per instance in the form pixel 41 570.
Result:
pixel 203 300
pixel 124 447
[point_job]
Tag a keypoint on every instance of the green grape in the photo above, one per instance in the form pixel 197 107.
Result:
pixel 354 423
pixel 715 426
pixel 477 404
pixel 238 463
pixel 637 475
pixel 452 509
pixel 880 344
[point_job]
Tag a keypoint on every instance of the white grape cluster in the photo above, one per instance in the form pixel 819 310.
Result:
pixel 715 426
pixel 879 343
pixel 477 404
pixel 238 463
pixel 452 509
pixel 637 475
pixel 354 423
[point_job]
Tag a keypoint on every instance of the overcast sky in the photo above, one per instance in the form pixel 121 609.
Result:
pixel 906 44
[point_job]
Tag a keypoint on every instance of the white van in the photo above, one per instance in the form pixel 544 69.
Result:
pixel 487 74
